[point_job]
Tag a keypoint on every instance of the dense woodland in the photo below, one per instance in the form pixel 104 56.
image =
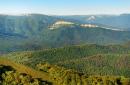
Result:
pixel 89 59
pixel 79 65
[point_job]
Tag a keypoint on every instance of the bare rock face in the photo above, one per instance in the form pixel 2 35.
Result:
pixel 60 23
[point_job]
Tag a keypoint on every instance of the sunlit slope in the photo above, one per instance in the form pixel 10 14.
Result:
pixel 25 70
pixel 15 74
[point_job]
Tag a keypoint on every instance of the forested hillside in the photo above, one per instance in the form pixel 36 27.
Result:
pixel 36 31
pixel 16 74
pixel 89 59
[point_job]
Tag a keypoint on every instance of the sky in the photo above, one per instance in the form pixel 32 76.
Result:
pixel 64 7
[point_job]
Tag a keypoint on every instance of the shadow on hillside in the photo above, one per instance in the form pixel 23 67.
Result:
pixel 4 68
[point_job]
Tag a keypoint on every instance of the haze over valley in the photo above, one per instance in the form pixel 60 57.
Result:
pixel 64 42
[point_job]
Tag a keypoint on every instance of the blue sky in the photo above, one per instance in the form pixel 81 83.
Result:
pixel 65 7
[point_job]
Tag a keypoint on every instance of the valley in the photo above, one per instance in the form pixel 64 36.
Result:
pixel 40 49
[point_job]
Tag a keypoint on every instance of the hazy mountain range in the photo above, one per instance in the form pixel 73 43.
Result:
pixel 37 31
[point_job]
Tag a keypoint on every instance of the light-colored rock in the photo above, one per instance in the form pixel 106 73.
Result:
pixel 60 23
pixel 88 25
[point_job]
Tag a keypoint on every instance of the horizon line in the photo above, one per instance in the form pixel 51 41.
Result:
pixel 19 14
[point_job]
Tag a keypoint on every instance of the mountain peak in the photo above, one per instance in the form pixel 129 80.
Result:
pixel 91 18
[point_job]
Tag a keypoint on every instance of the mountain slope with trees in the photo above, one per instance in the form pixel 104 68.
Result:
pixel 89 59
pixel 32 32
pixel 11 74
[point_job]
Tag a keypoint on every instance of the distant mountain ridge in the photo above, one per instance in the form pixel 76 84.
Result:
pixel 34 23
pixel 118 21
pixel 33 31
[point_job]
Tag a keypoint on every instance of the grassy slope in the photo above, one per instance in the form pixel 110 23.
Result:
pixel 24 69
